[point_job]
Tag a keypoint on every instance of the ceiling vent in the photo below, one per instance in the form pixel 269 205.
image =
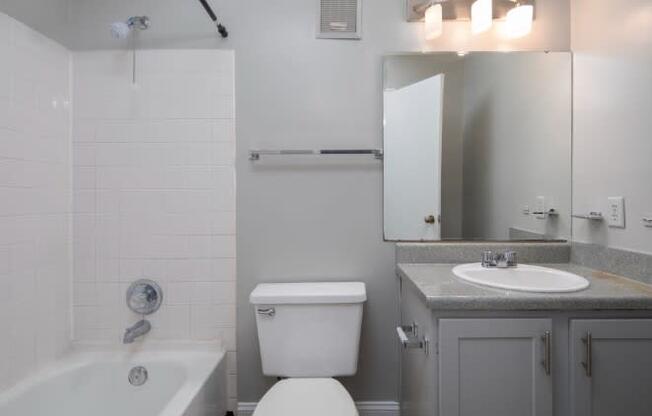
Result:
pixel 339 19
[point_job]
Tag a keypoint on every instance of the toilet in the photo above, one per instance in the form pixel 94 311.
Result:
pixel 308 333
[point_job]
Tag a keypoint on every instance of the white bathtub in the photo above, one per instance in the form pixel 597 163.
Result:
pixel 184 381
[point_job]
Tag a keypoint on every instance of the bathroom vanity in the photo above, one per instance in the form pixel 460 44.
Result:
pixel 475 350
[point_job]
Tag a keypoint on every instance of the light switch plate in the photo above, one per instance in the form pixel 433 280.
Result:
pixel 616 212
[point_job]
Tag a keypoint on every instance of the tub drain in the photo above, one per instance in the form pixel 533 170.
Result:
pixel 138 376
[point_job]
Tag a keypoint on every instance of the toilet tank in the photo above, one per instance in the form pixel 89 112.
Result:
pixel 309 329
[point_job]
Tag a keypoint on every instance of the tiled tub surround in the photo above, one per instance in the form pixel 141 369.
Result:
pixel 154 194
pixel 36 200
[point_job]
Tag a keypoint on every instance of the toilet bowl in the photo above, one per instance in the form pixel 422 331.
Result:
pixel 306 396
pixel 308 333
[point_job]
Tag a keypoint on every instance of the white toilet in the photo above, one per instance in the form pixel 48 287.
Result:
pixel 308 332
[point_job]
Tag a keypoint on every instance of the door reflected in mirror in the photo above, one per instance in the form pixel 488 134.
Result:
pixel 477 147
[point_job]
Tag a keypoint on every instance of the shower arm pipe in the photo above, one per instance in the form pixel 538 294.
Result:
pixel 220 28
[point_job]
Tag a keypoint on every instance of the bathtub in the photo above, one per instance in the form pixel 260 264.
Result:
pixel 184 381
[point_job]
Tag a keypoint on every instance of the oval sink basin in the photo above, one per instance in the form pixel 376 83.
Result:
pixel 523 278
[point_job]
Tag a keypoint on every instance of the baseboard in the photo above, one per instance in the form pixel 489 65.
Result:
pixel 364 408
pixel 378 408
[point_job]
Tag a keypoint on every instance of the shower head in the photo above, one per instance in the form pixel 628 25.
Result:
pixel 120 30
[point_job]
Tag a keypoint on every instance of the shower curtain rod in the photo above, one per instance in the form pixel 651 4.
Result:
pixel 220 27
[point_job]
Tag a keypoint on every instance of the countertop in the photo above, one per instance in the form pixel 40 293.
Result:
pixel 442 290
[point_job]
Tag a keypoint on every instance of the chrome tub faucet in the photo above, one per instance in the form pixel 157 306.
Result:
pixel 139 329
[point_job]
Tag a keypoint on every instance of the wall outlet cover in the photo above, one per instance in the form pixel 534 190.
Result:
pixel 616 212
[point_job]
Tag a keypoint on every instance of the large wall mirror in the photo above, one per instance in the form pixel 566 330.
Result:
pixel 477 146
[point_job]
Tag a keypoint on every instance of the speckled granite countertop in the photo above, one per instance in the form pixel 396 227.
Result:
pixel 442 290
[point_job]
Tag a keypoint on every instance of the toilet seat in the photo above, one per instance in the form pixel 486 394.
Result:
pixel 306 396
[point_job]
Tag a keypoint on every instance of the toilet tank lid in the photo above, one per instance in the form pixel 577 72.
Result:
pixel 308 293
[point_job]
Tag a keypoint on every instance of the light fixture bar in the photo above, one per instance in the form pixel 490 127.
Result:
pixel 457 9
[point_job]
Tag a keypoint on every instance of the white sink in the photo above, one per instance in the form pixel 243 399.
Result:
pixel 524 278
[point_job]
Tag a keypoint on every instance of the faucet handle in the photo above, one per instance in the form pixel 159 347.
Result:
pixel 488 258
pixel 511 258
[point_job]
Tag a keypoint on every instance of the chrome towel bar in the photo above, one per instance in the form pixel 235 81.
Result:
pixel 593 216
pixel 256 154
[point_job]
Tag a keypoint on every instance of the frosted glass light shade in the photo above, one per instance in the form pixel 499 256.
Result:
pixel 519 21
pixel 481 16
pixel 434 22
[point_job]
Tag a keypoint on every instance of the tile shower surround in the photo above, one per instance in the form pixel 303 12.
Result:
pixel 35 191
pixel 154 194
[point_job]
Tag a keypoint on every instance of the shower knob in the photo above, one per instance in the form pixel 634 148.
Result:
pixel 144 296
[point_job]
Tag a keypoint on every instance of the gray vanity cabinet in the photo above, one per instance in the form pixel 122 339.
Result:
pixel 611 367
pixel 495 367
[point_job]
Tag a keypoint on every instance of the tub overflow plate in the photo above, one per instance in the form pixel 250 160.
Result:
pixel 138 376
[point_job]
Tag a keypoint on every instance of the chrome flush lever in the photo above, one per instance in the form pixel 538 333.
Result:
pixel 266 312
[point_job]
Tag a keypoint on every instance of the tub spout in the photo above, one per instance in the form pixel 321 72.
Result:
pixel 139 329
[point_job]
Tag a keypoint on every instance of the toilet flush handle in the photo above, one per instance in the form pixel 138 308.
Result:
pixel 267 312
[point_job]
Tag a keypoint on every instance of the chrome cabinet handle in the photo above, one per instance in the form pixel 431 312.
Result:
pixel 266 312
pixel 588 363
pixel 547 353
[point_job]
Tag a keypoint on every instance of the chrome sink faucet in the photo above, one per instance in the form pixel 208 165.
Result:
pixel 139 329
pixel 499 260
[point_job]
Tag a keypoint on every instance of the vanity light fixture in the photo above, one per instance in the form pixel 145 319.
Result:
pixel 482 16
pixel 517 15
pixel 519 20
pixel 434 21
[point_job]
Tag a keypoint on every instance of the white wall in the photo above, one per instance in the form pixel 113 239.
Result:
pixel 612 123
pixel 35 200
pixel 517 143
pixel 320 221
pixel 154 194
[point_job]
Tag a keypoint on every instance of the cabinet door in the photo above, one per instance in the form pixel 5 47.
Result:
pixel 611 367
pixel 495 367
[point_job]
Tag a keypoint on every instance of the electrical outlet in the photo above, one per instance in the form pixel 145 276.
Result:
pixel 616 213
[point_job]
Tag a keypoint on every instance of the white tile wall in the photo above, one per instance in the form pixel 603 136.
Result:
pixel 35 200
pixel 154 193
